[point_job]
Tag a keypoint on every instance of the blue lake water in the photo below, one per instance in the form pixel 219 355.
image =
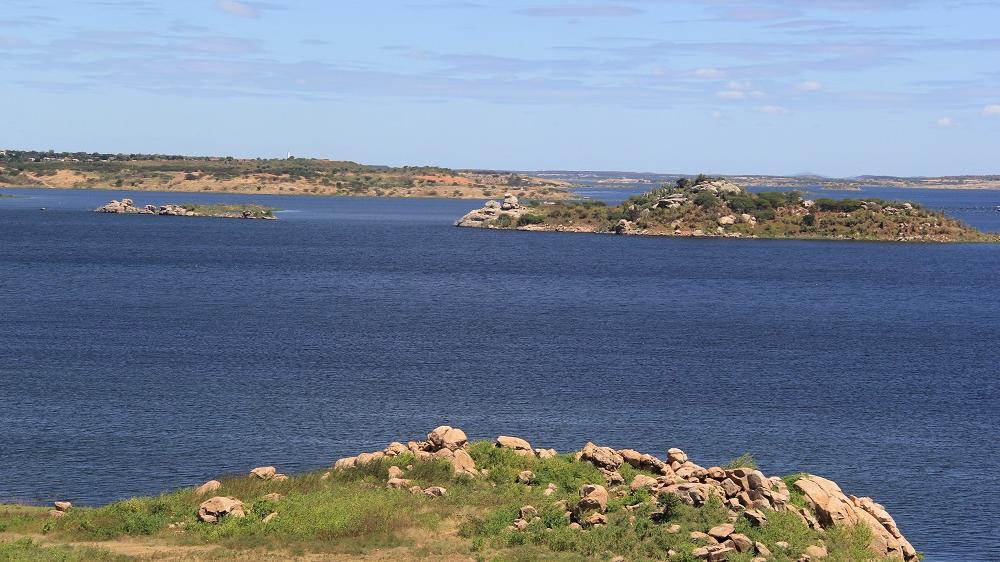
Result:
pixel 140 354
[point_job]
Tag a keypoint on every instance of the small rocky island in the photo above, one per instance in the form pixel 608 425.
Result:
pixel 501 498
pixel 226 211
pixel 720 208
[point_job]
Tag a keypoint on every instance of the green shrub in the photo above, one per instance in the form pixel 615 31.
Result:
pixel 839 205
pixel 668 504
pixel 706 200
pixel 742 203
pixel 763 215
pixel 778 199
pixel 527 219
pixel 745 460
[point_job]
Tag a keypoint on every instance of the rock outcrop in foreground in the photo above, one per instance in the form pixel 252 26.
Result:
pixel 746 492
pixel 127 206
pixel 502 498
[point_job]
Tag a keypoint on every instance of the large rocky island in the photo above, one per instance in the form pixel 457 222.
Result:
pixel 718 207
pixel 443 497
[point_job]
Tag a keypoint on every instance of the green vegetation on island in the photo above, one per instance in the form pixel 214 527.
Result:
pixel 715 207
pixel 445 498
pixel 230 209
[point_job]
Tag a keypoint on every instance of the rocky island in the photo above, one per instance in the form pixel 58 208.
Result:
pixel 718 207
pixel 226 211
pixel 444 497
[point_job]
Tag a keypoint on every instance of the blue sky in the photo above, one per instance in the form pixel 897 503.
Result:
pixel 838 87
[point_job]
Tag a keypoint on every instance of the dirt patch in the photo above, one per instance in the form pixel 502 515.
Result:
pixel 438 547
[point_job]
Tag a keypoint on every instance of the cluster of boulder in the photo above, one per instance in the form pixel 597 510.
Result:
pixel 214 509
pixel 833 507
pixel 744 218
pixel 672 201
pixel 268 473
pixel 487 216
pixel 750 494
pixel 444 442
pixel 717 187
pixel 747 492
pixel 127 206
pixel 60 509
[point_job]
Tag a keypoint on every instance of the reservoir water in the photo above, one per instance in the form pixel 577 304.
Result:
pixel 140 354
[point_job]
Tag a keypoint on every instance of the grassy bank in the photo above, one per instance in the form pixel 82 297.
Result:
pixel 350 513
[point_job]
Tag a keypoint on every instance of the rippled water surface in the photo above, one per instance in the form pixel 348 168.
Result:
pixel 140 354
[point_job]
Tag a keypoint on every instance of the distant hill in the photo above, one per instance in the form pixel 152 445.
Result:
pixel 156 172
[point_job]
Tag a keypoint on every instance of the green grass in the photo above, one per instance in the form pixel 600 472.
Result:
pixel 222 209
pixel 797 498
pixel 27 550
pixel 745 460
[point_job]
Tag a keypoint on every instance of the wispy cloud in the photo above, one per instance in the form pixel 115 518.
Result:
pixel 774 110
pixel 235 8
pixel 145 7
pixel 731 94
pixel 809 86
pixel 992 110
pixel 708 73
pixel 946 122
pixel 457 5
pixel 580 11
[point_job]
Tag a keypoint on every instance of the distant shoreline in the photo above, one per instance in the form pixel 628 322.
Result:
pixel 280 177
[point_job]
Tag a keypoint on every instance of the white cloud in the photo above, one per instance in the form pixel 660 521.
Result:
pixel 709 73
pixel 946 123
pixel 232 7
pixel 992 110
pixel 580 11
pixel 774 110
pixel 809 86
pixel 731 94
pixel 716 115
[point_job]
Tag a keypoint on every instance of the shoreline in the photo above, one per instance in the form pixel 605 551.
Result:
pixel 746 238
pixel 565 193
